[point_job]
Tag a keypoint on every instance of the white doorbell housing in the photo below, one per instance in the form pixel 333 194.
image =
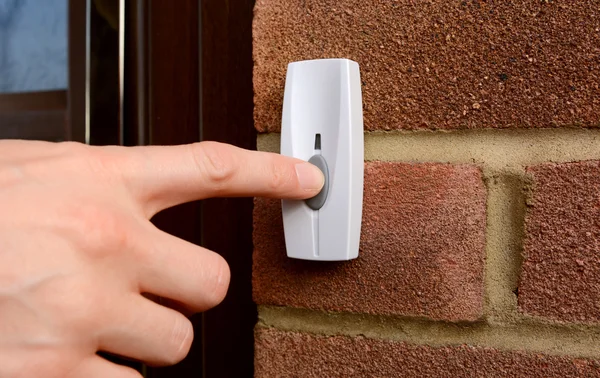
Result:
pixel 323 123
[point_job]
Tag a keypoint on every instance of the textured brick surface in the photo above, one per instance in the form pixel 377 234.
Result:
pixel 422 248
pixel 287 354
pixel 441 64
pixel 561 272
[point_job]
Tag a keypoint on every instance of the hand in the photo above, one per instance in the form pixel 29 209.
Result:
pixel 77 249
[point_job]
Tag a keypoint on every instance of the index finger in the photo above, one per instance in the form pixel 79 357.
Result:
pixel 165 176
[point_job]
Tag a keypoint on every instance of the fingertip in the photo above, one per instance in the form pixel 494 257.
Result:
pixel 310 179
pixel 222 279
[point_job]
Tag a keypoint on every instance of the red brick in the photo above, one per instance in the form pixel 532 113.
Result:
pixel 421 251
pixel 451 64
pixel 560 278
pixel 289 354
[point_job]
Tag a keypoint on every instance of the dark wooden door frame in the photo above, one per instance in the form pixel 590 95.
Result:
pixel 188 77
pixel 33 115
pixel 224 105
pixel 227 116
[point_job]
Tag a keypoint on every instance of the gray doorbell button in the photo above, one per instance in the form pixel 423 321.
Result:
pixel 318 201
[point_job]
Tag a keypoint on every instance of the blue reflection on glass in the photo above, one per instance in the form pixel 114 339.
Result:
pixel 33 45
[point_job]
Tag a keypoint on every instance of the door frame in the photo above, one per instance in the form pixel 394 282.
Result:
pixel 184 75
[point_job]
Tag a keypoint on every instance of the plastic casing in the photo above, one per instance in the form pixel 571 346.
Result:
pixel 324 97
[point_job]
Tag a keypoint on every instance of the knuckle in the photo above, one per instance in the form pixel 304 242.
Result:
pixel 73 148
pixel 101 162
pixel 83 310
pixel 98 229
pixel 214 161
pixel 72 154
pixel 180 340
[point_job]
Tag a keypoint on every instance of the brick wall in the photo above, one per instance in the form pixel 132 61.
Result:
pixel 480 244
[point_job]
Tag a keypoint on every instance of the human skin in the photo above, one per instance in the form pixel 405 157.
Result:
pixel 79 258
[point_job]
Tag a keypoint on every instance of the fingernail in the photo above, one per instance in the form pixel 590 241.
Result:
pixel 309 176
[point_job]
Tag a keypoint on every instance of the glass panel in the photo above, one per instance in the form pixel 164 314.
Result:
pixel 33 45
